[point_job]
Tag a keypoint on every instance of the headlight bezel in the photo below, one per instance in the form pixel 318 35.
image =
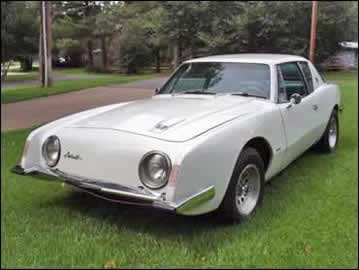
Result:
pixel 144 177
pixel 49 162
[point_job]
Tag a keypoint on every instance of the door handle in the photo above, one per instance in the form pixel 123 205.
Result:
pixel 315 107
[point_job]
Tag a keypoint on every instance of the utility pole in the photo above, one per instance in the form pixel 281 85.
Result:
pixel 45 43
pixel 313 32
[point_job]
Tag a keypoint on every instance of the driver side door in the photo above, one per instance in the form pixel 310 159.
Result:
pixel 297 118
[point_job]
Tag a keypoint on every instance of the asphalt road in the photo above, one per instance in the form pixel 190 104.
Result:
pixel 26 114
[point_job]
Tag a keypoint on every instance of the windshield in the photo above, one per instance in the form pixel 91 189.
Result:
pixel 216 78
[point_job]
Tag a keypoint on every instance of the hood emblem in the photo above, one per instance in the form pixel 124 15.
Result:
pixel 165 124
pixel 69 155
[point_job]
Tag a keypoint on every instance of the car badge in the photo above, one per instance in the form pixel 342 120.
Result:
pixel 72 156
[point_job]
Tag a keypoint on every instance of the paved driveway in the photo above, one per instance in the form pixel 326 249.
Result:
pixel 28 113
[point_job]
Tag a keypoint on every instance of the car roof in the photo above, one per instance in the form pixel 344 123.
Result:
pixel 261 58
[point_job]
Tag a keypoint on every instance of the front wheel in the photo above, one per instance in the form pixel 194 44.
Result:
pixel 330 138
pixel 245 190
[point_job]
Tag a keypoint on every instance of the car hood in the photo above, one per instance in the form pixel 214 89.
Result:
pixel 173 117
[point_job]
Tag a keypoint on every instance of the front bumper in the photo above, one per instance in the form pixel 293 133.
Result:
pixel 122 194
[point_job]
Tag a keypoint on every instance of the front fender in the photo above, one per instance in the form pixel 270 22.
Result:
pixel 31 156
pixel 211 158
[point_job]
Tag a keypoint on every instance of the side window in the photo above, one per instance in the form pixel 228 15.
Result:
pixel 292 80
pixel 307 75
pixel 282 93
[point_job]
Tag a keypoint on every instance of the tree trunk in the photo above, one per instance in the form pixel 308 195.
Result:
pixel 90 55
pixel 41 60
pixel 4 70
pixel 46 22
pixel 104 52
pixel 89 42
pixel 31 61
pixel 49 16
pixel 26 63
pixel 169 54
pixel 193 52
pixel 180 52
pixel 175 55
pixel 158 61
pixel 251 39
pixel 131 69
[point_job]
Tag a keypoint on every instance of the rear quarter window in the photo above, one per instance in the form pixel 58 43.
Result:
pixel 307 76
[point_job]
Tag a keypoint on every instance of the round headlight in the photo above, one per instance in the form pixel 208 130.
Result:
pixel 154 170
pixel 51 150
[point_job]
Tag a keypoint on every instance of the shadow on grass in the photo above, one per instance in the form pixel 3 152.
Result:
pixel 139 218
pixel 171 226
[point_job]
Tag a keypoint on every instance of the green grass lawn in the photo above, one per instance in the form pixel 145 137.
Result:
pixel 84 80
pixel 15 74
pixel 20 76
pixel 15 94
pixel 309 217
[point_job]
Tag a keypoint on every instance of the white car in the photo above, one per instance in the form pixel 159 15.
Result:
pixel 209 139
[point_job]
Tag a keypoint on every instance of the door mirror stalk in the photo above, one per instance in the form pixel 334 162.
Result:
pixel 294 100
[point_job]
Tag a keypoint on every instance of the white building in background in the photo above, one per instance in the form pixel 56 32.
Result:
pixel 345 58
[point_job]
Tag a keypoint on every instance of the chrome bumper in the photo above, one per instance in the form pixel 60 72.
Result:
pixel 122 194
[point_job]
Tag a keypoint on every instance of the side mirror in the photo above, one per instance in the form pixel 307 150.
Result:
pixel 294 100
pixel 157 90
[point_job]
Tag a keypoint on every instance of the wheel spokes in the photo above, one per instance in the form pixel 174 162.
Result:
pixel 247 190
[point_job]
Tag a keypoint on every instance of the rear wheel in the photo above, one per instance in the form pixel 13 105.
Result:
pixel 330 138
pixel 245 190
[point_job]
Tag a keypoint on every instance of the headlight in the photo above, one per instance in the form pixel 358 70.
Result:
pixel 51 150
pixel 154 170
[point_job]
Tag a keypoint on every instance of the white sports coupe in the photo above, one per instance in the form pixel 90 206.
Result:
pixel 209 139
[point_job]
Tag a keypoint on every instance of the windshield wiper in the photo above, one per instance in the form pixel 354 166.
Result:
pixel 196 92
pixel 245 94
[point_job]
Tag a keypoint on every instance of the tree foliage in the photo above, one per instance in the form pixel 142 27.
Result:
pixel 142 33
pixel 19 32
pixel 76 20
pixel 279 27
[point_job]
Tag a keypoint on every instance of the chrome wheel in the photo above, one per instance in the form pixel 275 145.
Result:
pixel 248 189
pixel 332 132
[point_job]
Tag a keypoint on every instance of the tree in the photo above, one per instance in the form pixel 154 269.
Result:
pixel 107 25
pixel 223 27
pixel 73 49
pixel 19 32
pixel 153 23
pixel 135 51
pixel 337 21
pixel 143 30
pixel 182 26
pixel 26 33
pixel 7 38
pixel 76 21
pixel 277 27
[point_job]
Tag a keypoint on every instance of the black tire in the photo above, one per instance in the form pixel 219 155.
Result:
pixel 324 145
pixel 228 207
